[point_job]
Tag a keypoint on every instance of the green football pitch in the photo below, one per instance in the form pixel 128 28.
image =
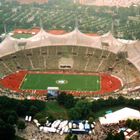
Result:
pixel 64 82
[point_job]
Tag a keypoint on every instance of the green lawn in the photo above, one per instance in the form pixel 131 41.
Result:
pixel 57 111
pixel 1 75
pixel 18 138
pixel 73 82
pixel 18 36
pixel 102 112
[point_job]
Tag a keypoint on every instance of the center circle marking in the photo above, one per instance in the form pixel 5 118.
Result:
pixel 61 82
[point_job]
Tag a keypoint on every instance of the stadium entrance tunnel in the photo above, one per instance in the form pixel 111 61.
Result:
pixel 88 83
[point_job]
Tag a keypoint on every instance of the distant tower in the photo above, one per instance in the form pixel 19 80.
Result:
pixel 76 23
pixel 113 24
pixel 5 29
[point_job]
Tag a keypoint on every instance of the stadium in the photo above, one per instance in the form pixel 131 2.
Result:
pixel 74 62
pixel 69 69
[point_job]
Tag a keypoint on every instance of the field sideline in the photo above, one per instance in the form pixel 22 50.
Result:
pixel 67 82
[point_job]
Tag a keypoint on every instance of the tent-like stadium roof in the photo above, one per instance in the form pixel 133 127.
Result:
pixel 107 41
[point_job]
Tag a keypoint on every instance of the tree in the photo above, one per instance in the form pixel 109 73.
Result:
pixel 21 125
pixel 134 124
pixel 74 137
pixel 5 115
pixel 11 120
pixel 7 131
pixel 68 137
pixel 118 136
pixel 121 100
pixel 22 109
pixel 95 106
pixel 84 108
pixel 69 103
pixel 128 122
pixel 33 110
pixel 67 100
pixel 50 118
pixel 40 115
pixel 71 137
pixel 81 110
pixel 90 120
pixel 74 114
pixel 42 121
pixel 122 137
pixel 61 98
pixel 109 136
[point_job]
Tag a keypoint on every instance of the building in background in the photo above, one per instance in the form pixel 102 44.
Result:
pixel 119 3
pixel 32 1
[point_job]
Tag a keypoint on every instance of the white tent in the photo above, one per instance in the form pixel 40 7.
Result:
pixel 122 114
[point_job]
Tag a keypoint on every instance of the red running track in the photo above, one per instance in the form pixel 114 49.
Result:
pixel 13 82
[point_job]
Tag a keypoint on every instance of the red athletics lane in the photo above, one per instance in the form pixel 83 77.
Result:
pixel 13 82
